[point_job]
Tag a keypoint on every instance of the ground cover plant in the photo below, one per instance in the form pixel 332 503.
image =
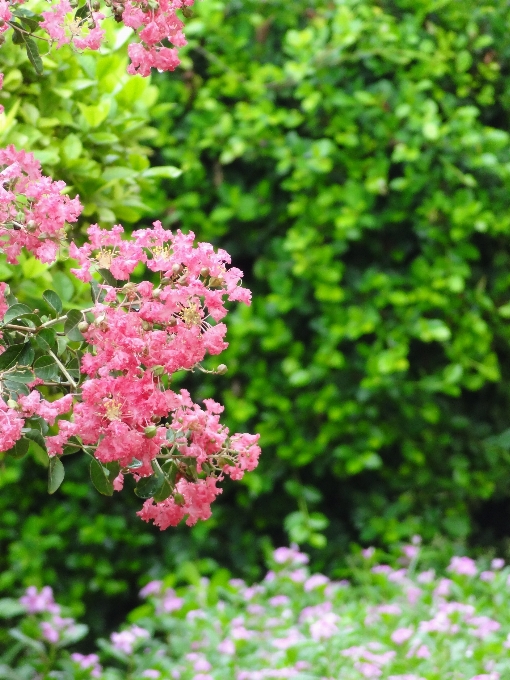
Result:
pixel 396 623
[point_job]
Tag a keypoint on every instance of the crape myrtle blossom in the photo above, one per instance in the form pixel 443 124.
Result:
pixel 154 22
pixel 33 210
pixel 122 412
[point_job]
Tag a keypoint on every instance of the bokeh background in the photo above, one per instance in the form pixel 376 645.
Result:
pixel 353 156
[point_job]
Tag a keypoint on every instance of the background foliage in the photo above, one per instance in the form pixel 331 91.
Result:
pixel 353 157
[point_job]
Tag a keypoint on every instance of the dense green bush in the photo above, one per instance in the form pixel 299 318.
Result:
pixel 354 157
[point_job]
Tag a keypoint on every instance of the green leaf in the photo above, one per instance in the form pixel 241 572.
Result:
pixel 15 389
pixel 148 486
pixel 19 449
pixel 17 36
pixel 10 607
pixel 163 492
pixel 82 12
pixel 22 375
pixel 46 368
pixel 36 436
pixel 109 278
pixel 74 317
pixel 113 468
pixel 16 311
pixel 13 356
pixel 47 339
pixel 33 54
pixel 168 171
pixel 56 474
pixel 53 300
pixel 100 478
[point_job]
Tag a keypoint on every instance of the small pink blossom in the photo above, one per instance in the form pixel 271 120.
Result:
pixel 401 635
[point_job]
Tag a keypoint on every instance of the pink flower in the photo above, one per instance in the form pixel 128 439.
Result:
pixel 37 602
pixel 401 635
pixel 497 563
pixel 315 581
pixel 487 576
pixel 325 627
pixel 463 565
pixel 227 647
pixel 10 426
pixel 152 588
pixel 290 555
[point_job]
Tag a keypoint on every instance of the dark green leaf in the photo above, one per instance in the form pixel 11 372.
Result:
pixel 82 12
pixel 56 474
pixel 12 356
pixel 46 368
pixel 29 24
pixel 17 36
pixel 27 355
pixel 163 492
pixel 109 278
pixel 53 300
pixel 19 449
pixel 22 375
pixel 74 317
pixel 113 468
pixel 148 486
pixel 47 339
pixel 33 54
pixel 170 469
pixel 16 389
pixel 100 478
pixel 16 311
pixel 73 368
pixel 36 437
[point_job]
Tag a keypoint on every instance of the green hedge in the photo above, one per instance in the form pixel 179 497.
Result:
pixel 354 157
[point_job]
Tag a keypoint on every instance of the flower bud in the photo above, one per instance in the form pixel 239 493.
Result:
pixel 155 419
pixel 176 268
pixel 31 225
pixel 150 431
pixel 215 282
pixel 156 293
pixel 158 370
pixel 183 280
pixel 222 369
pixel 96 5
pixel 188 13
pixel 205 272
pixel 146 325
pixel 129 286
pixel 83 326
pixel 13 404
pixel 99 320
pixel 172 322
pixel 179 498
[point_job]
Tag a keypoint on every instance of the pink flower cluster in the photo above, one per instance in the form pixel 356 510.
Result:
pixel 54 627
pixel 140 333
pixel 153 21
pixel 33 210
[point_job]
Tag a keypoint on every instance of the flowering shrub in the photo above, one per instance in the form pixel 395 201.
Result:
pixel 134 336
pixel 400 623
pixel 80 24
pixel 130 341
